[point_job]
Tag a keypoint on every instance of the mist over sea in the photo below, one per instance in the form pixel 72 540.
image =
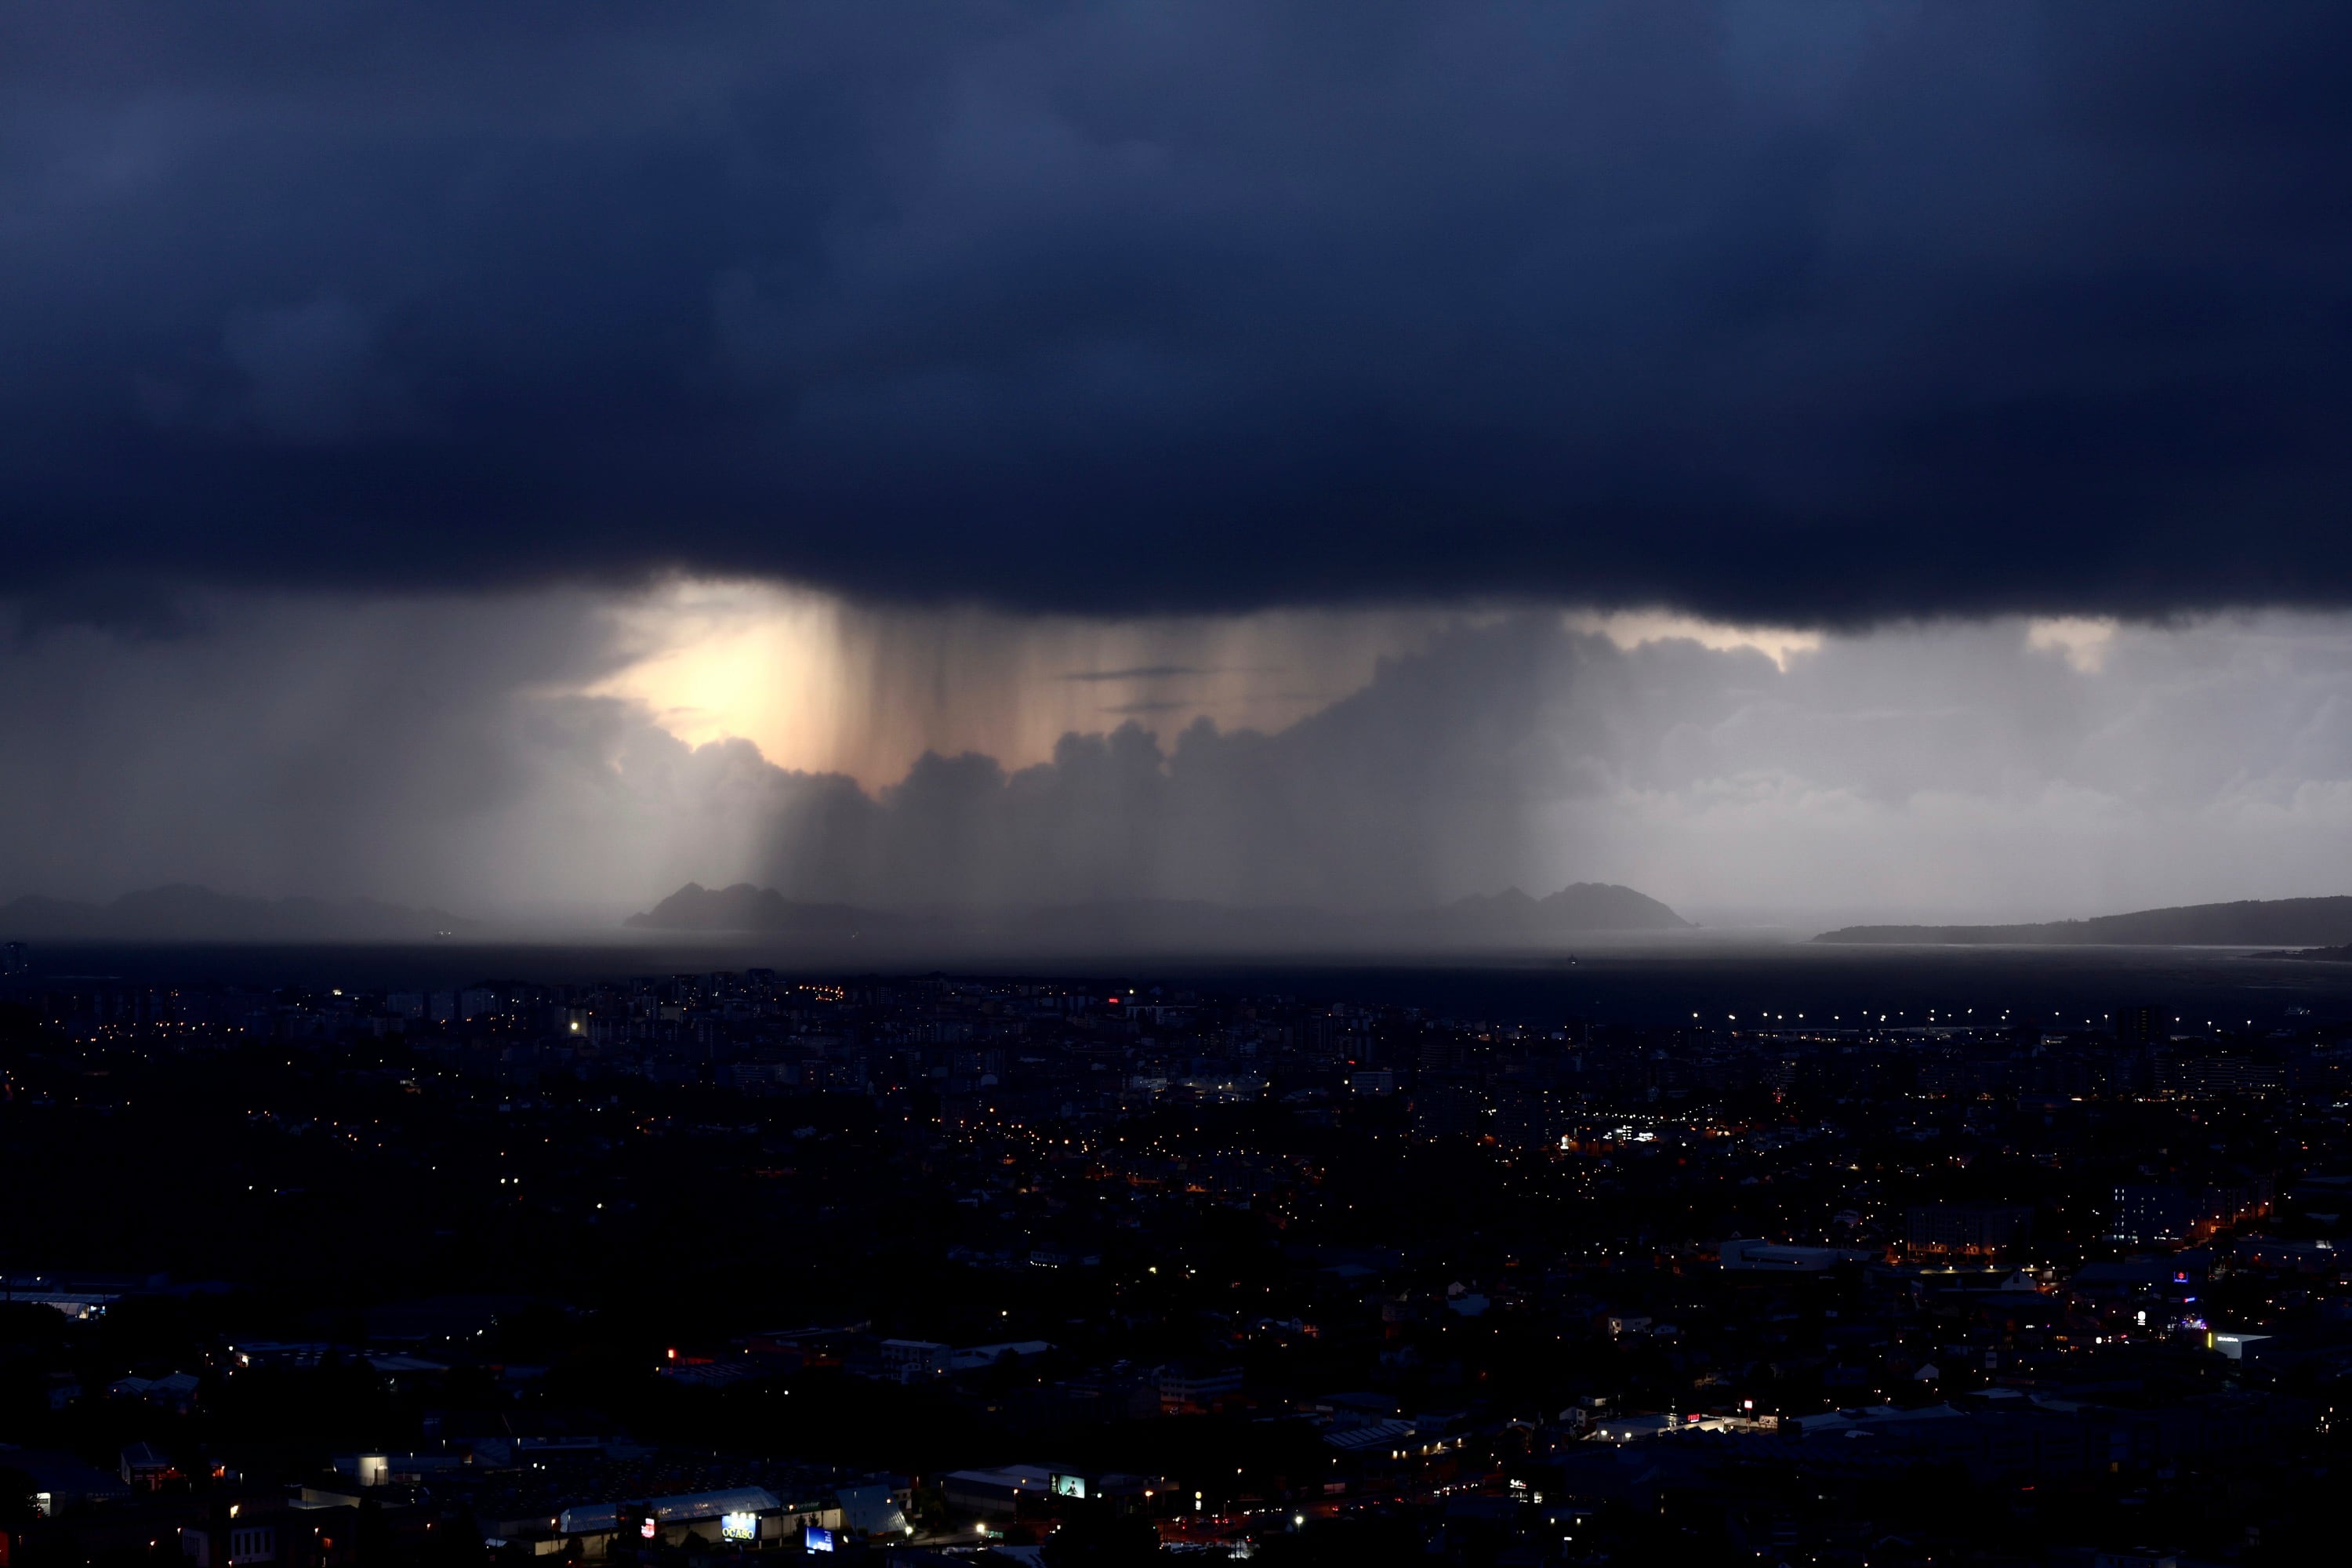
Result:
pixel 1723 979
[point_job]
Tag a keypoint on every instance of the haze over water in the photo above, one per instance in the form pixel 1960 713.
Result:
pixel 1728 980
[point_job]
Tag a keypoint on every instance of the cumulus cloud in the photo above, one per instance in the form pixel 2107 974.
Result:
pixel 1819 314
pixel 449 751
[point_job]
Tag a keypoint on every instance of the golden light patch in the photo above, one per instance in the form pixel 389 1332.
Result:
pixel 824 686
pixel 2084 641
pixel 716 661
pixel 1630 628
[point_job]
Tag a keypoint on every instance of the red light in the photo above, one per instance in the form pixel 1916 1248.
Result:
pixel 672 1354
pixel 1112 1000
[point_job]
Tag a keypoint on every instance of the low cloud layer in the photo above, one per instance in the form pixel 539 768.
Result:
pixel 1815 313
pixel 444 751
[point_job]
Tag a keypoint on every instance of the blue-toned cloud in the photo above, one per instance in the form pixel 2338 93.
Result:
pixel 1811 313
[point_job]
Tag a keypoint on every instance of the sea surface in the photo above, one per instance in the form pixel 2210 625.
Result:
pixel 1716 977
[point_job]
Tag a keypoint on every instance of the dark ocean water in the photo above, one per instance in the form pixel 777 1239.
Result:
pixel 1716 976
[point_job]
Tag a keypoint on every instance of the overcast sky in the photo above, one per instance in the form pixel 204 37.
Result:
pixel 1811 457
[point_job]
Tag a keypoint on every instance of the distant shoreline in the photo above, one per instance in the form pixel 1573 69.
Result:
pixel 2323 922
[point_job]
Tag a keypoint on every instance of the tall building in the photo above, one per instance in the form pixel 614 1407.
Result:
pixel 2148 1212
pixel 2143 1025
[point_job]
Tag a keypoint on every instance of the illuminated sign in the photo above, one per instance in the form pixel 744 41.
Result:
pixel 648 1526
pixel 817 1538
pixel 1070 1485
pixel 739 1527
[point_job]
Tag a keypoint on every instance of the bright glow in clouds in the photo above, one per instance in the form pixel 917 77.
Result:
pixel 569 750
pixel 2084 641
pixel 712 661
pixel 822 686
pixel 1631 629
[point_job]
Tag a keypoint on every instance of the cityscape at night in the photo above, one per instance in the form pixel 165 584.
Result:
pixel 928 1264
pixel 1115 783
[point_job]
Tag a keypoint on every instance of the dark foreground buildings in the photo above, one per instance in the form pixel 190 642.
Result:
pixel 719 1265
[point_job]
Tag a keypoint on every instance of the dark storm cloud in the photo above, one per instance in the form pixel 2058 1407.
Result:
pixel 1782 312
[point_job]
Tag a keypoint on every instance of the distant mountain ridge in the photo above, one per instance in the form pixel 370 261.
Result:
pixel 182 911
pixel 1580 907
pixel 2250 922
